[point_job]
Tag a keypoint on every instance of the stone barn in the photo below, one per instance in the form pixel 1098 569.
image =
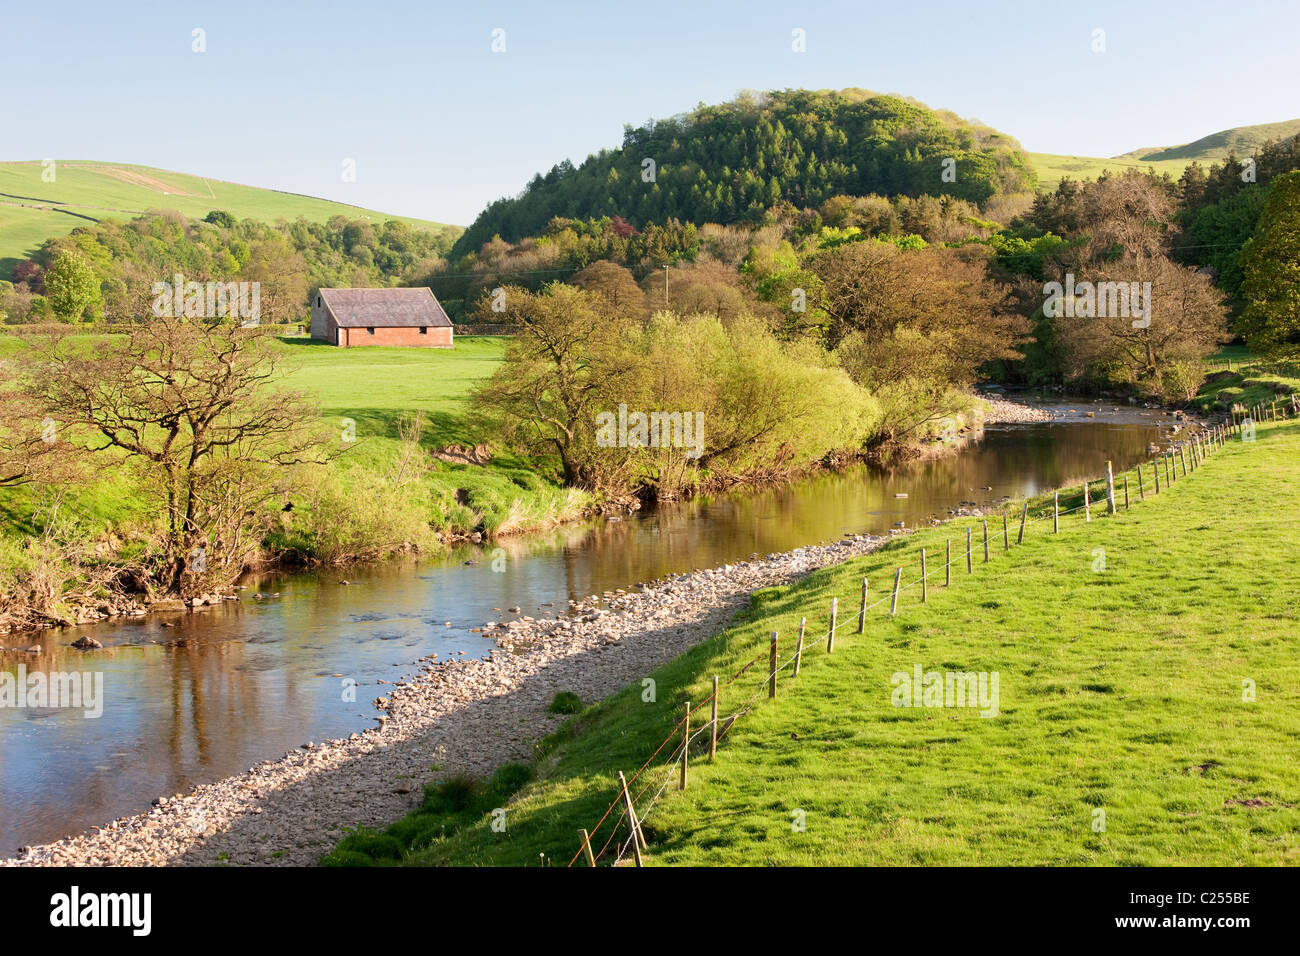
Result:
pixel 353 317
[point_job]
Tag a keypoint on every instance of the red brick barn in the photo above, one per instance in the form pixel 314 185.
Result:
pixel 352 317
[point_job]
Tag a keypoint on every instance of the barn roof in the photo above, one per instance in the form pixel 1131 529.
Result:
pixel 385 308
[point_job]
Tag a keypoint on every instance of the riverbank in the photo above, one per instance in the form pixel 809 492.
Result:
pixel 467 716
pixel 351 514
pixel 1149 701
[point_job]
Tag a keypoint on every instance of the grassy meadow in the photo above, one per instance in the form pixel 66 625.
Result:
pixel 1123 647
pixel 1052 168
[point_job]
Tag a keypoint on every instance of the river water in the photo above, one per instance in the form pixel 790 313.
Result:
pixel 222 688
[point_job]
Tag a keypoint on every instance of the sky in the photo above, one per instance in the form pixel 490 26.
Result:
pixel 436 124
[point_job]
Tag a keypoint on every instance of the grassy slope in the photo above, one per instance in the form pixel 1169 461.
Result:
pixel 1241 139
pixel 1120 690
pixel 1052 168
pixel 32 211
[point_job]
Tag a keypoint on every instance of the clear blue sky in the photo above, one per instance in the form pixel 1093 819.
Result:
pixel 439 125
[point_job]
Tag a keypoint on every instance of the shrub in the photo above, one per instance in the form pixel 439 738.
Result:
pixel 566 702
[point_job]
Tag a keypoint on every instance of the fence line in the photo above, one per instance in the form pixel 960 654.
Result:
pixel 1192 452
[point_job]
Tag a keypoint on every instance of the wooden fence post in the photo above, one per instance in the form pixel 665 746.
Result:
pixel 1126 492
pixel 1155 467
pixel 893 601
pixel 835 613
pixel 798 648
pixel 1142 492
pixel 1024 514
pixel 862 611
pixel 713 731
pixel 1110 488
pixel 1006 535
pixel 771 667
pixel 586 846
pixel 638 841
pixel 686 743
pixel 986 540
pixel 947 564
pixel 925 593
pixel 969 569
pixel 1183 457
pixel 1087 503
pixel 1056 512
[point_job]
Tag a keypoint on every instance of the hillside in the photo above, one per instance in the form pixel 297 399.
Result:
pixel 1051 168
pixel 32 211
pixel 732 161
pixel 1243 140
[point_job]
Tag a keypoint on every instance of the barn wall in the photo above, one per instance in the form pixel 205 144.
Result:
pixel 319 326
pixel 436 338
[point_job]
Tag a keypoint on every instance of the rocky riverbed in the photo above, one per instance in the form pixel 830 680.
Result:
pixel 1002 410
pixel 458 716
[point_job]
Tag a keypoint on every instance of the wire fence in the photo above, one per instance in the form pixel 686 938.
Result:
pixel 1116 495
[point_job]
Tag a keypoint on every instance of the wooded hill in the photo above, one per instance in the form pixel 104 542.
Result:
pixel 733 161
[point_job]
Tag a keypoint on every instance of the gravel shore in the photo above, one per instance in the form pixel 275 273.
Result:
pixel 462 716
pixel 1002 410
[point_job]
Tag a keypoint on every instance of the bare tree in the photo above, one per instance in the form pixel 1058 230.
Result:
pixel 191 404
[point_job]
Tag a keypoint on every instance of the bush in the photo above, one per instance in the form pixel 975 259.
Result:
pixel 369 843
pixel 452 795
pixel 513 776
pixel 566 702
pixel 346 858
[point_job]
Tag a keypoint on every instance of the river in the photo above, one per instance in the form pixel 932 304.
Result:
pixel 191 697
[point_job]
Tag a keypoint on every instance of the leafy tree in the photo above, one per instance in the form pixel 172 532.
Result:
pixel 72 287
pixel 1271 269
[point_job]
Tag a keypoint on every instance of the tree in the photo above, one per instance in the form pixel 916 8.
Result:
pixel 190 405
pixel 568 361
pixel 614 283
pixel 32 447
pixel 72 287
pixel 1187 322
pixel 910 326
pixel 1271 266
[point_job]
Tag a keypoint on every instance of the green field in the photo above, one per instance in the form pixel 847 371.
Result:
pixel 32 211
pixel 1121 690
pixel 374 386
pixel 1052 168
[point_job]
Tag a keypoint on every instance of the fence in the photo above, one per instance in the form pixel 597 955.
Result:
pixel 628 810
pixel 485 328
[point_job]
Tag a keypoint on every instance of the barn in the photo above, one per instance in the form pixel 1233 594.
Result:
pixel 350 318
